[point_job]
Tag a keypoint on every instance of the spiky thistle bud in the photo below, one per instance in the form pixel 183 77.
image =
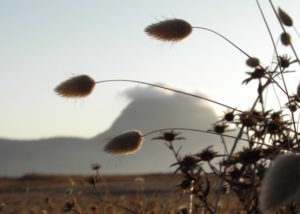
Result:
pixel 76 87
pixel 281 183
pixel 285 38
pixel 171 30
pixel 252 62
pixel 285 18
pixel 126 143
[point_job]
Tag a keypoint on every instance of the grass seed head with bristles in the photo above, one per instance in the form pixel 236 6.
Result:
pixel 171 30
pixel 281 183
pixel 126 143
pixel 285 38
pixel 285 18
pixel 76 87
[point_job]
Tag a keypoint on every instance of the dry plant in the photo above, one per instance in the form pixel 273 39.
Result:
pixel 269 133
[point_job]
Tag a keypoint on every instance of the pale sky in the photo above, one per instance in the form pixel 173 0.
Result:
pixel 43 43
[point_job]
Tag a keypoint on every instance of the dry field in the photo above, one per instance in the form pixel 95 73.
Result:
pixel 42 194
pixel 49 193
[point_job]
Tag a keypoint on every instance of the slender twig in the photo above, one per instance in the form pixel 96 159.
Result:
pixel 170 89
pixel 191 197
pixel 181 92
pixel 277 55
pixel 237 47
pixel 283 28
pixel 111 202
pixel 237 138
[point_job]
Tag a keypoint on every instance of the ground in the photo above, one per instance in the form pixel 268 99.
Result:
pixel 54 194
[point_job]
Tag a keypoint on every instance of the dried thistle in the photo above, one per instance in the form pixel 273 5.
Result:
pixel 186 164
pixel 285 39
pixel 258 73
pixel 247 156
pixel 95 166
pixel 284 61
pixel 220 128
pixel 93 179
pixel 172 30
pixel 76 87
pixel 281 183
pixel 69 205
pixel 169 135
pixel 285 18
pixel 229 116
pixel 207 154
pixel 185 184
pixel 126 143
pixel 93 208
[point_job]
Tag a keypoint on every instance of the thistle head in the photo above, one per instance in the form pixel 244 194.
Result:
pixel 172 30
pixel 285 18
pixel 76 87
pixel 126 143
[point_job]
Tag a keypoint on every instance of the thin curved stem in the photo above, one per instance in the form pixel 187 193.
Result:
pixel 273 43
pixel 283 28
pixel 237 47
pixel 277 55
pixel 180 92
pixel 170 89
pixel 239 137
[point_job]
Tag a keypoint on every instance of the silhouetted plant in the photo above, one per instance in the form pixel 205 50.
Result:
pixel 269 133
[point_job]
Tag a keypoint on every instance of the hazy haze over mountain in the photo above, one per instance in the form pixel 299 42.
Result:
pixel 149 109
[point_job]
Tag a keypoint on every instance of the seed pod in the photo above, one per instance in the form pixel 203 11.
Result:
pixel 76 87
pixel 171 30
pixel 126 143
pixel 285 18
pixel 281 183
pixel 252 62
pixel 285 39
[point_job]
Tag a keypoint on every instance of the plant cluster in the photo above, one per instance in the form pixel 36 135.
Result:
pixel 268 132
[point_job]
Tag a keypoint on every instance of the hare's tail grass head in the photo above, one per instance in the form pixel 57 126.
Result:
pixel 281 183
pixel 76 87
pixel 285 18
pixel 170 30
pixel 125 143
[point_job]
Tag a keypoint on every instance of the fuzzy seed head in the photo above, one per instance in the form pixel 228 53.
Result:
pixel 285 39
pixel 252 62
pixel 76 87
pixel 171 30
pixel 281 183
pixel 126 143
pixel 285 18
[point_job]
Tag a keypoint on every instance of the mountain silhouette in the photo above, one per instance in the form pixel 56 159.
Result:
pixel 148 110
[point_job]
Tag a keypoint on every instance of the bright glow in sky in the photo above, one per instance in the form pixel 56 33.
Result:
pixel 42 43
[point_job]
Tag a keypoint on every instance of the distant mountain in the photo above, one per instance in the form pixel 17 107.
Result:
pixel 149 110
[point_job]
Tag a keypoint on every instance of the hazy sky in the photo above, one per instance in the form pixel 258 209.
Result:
pixel 42 43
